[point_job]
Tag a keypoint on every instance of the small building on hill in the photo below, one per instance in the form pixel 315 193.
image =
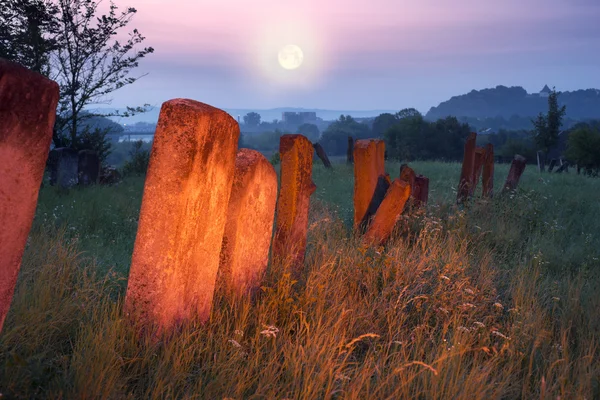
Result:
pixel 545 92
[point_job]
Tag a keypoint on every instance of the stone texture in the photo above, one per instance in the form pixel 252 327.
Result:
pixel 249 227
pixel 350 151
pixel 488 172
pixel 27 112
pixel 388 213
pixel 420 192
pixel 322 155
pixel 370 180
pixel 64 164
pixel 183 215
pixel 465 185
pixel 514 174
pixel 88 167
pixel 294 199
pixel 408 175
pixel 478 167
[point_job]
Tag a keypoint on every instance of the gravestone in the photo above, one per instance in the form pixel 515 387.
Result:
pixel 249 227
pixel 487 179
pixel 407 174
pixel 322 155
pixel 293 202
pixel 88 167
pixel 350 151
pixel 183 215
pixel 465 185
pixel 514 174
pixel 388 213
pixel 27 112
pixel 64 164
pixel 421 190
pixel 370 180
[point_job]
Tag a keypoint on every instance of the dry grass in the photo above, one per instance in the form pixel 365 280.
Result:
pixel 460 308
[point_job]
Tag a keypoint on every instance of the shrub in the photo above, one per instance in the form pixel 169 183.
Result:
pixel 138 164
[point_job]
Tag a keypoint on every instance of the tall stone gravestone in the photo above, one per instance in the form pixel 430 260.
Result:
pixel 249 227
pixel 183 215
pixel 27 112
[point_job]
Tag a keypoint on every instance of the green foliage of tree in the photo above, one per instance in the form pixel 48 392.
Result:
pixel 139 159
pixel 265 141
pixel 414 138
pixel 382 123
pixel 583 148
pixel 252 119
pixel 335 138
pixel 547 126
pixel 311 131
pixel 28 30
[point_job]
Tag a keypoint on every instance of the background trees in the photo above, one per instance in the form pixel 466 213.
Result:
pixel 335 138
pixel 252 119
pixel 547 126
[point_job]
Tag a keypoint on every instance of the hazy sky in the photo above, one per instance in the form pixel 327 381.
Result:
pixel 360 54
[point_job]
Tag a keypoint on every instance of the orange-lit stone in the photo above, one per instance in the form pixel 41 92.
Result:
pixel 294 198
pixel 479 160
pixel 407 174
pixel 386 216
pixel 27 112
pixel 370 180
pixel 465 185
pixel 420 194
pixel 183 215
pixel 488 171
pixel 514 174
pixel 250 215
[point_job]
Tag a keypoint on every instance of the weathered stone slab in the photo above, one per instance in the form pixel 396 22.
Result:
pixel 249 227
pixel 370 180
pixel 64 164
pixel 488 172
pixel 514 174
pixel 183 215
pixel 27 112
pixel 293 202
pixel 420 194
pixel 350 152
pixel 465 185
pixel 388 213
pixel 88 167
pixel 322 155
pixel 408 175
pixel 478 167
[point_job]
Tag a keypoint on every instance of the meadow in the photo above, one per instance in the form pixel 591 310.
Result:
pixel 495 299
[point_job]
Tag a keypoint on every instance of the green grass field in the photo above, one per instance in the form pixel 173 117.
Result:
pixel 498 299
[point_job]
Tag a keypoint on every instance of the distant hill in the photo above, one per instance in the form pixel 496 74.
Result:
pixel 266 115
pixel 507 102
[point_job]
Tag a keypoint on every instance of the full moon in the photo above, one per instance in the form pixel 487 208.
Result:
pixel 290 57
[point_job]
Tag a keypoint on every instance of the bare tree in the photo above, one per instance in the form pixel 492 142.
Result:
pixel 90 63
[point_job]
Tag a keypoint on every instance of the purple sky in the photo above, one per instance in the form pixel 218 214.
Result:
pixel 360 54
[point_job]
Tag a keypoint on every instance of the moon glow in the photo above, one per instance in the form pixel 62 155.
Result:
pixel 290 57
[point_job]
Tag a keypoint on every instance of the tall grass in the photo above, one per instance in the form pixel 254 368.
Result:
pixel 494 300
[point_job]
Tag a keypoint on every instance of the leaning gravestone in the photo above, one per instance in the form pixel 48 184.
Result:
pixel 27 112
pixel 294 199
pixel 183 215
pixel 514 174
pixel 388 213
pixel 465 185
pixel 249 227
pixel 322 155
pixel 370 180
pixel 88 167
pixel 64 163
